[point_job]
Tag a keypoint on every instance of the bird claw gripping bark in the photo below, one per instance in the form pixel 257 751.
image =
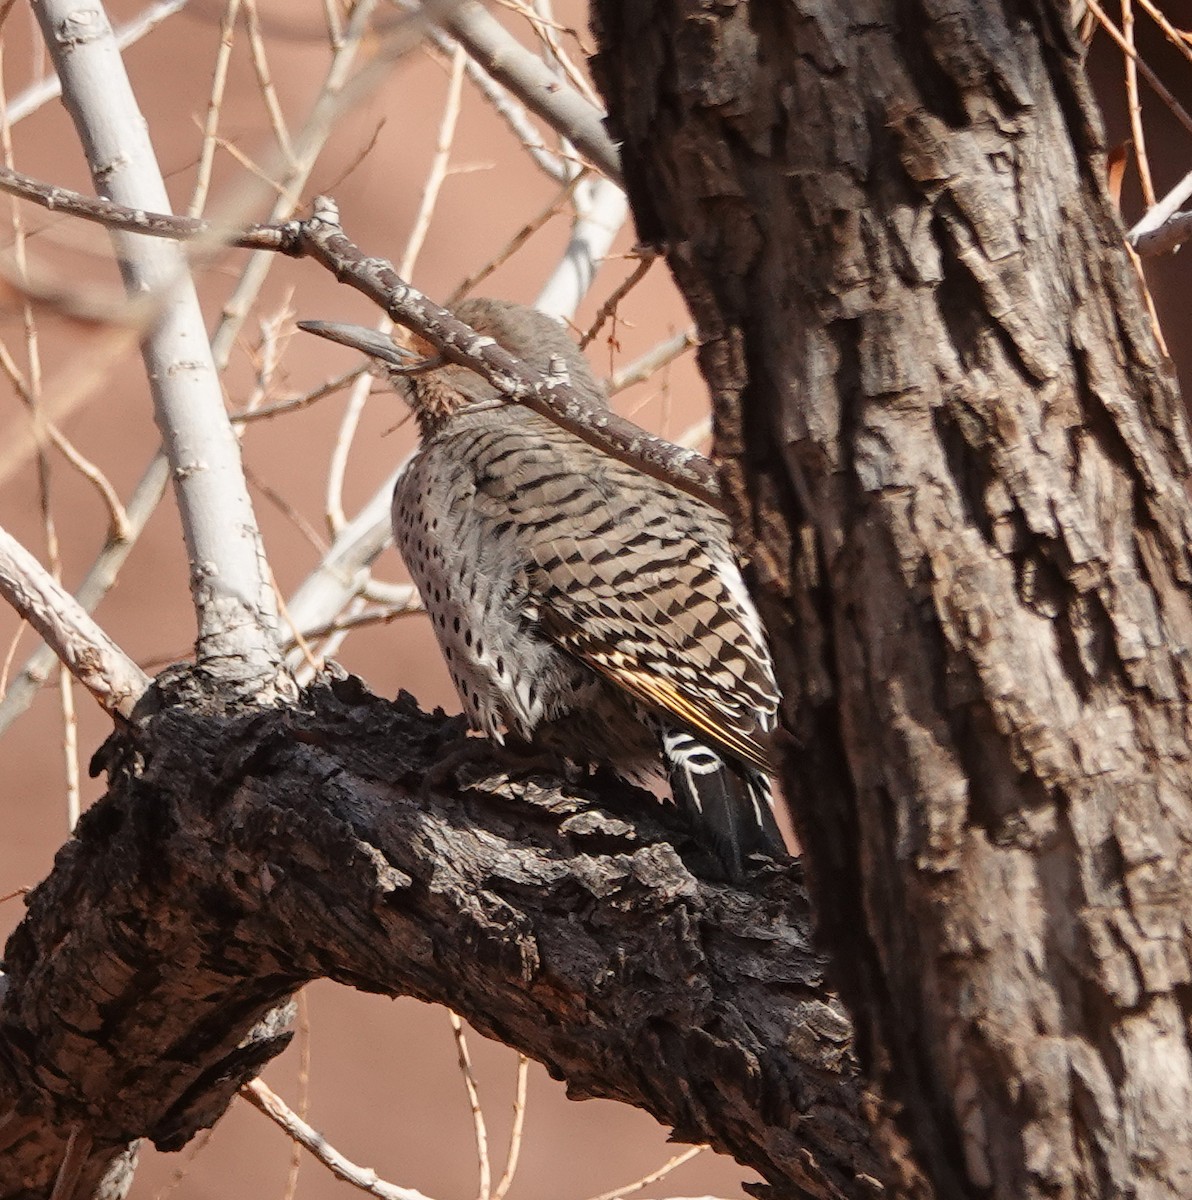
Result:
pixel 512 759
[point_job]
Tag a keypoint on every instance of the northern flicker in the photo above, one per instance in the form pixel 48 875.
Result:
pixel 582 606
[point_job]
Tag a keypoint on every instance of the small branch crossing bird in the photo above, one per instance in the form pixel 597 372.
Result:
pixel 582 606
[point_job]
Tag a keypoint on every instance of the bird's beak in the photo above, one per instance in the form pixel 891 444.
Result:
pixel 376 345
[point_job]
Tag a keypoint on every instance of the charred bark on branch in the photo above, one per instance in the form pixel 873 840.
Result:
pixel 237 856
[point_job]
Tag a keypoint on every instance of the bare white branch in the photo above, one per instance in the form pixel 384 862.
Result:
pixel 1163 239
pixel 235 606
pixel 479 1125
pixel 667 1167
pixel 93 658
pixel 141 506
pixel 642 368
pixel 518 1129
pixel 534 84
pixel 267 1101
pixel 344 570
pixel 508 109
pixel 600 211
pixel 306 149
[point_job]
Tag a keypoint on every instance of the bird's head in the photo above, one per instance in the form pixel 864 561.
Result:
pixel 435 388
pixel 431 391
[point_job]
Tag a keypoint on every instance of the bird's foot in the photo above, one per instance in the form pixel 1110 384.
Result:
pixel 513 757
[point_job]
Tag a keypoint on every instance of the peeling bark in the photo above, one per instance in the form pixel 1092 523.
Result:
pixel 961 466
pixel 237 856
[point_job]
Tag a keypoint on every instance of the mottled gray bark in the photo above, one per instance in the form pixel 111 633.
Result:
pixel 960 465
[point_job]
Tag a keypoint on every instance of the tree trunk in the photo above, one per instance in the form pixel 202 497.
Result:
pixel 959 464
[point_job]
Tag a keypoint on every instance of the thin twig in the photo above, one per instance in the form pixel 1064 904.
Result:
pixel 479 1127
pixel 515 1134
pixel 438 166
pixel 8 657
pixel 335 29
pixel 268 354
pixel 660 356
pixel 304 527
pixel 70 747
pixel 303 1081
pixel 601 210
pixel 313 662
pixel 260 64
pixel 1134 105
pixel 219 80
pixel 296 403
pixel 32 393
pixel 118 523
pixel 1177 109
pixel 264 1099
pixel 667 1167
pixel 337 466
pixel 78 1147
pixel 521 71
pixel 118 526
pixel 250 164
pixel 1173 35
pixel 361 619
pixel 509 110
pixel 545 27
pixel 99 580
pixel 517 241
pixel 609 307
pixel 50 87
pixel 345 568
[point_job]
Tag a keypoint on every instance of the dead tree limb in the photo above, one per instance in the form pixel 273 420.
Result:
pixel 238 855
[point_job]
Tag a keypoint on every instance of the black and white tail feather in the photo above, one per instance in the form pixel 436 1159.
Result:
pixel 727 803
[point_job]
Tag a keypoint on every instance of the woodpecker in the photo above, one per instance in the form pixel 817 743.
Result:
pixel 582 606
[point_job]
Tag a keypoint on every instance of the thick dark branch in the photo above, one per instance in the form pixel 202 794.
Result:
pixel 237 857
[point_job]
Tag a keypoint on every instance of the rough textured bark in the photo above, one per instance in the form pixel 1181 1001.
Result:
pixel 237 856
pixel 960 464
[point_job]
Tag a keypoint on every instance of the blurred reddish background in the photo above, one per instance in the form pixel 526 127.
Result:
pixel 383 1084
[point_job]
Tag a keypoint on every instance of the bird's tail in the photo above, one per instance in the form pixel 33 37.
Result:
pixel 729 804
